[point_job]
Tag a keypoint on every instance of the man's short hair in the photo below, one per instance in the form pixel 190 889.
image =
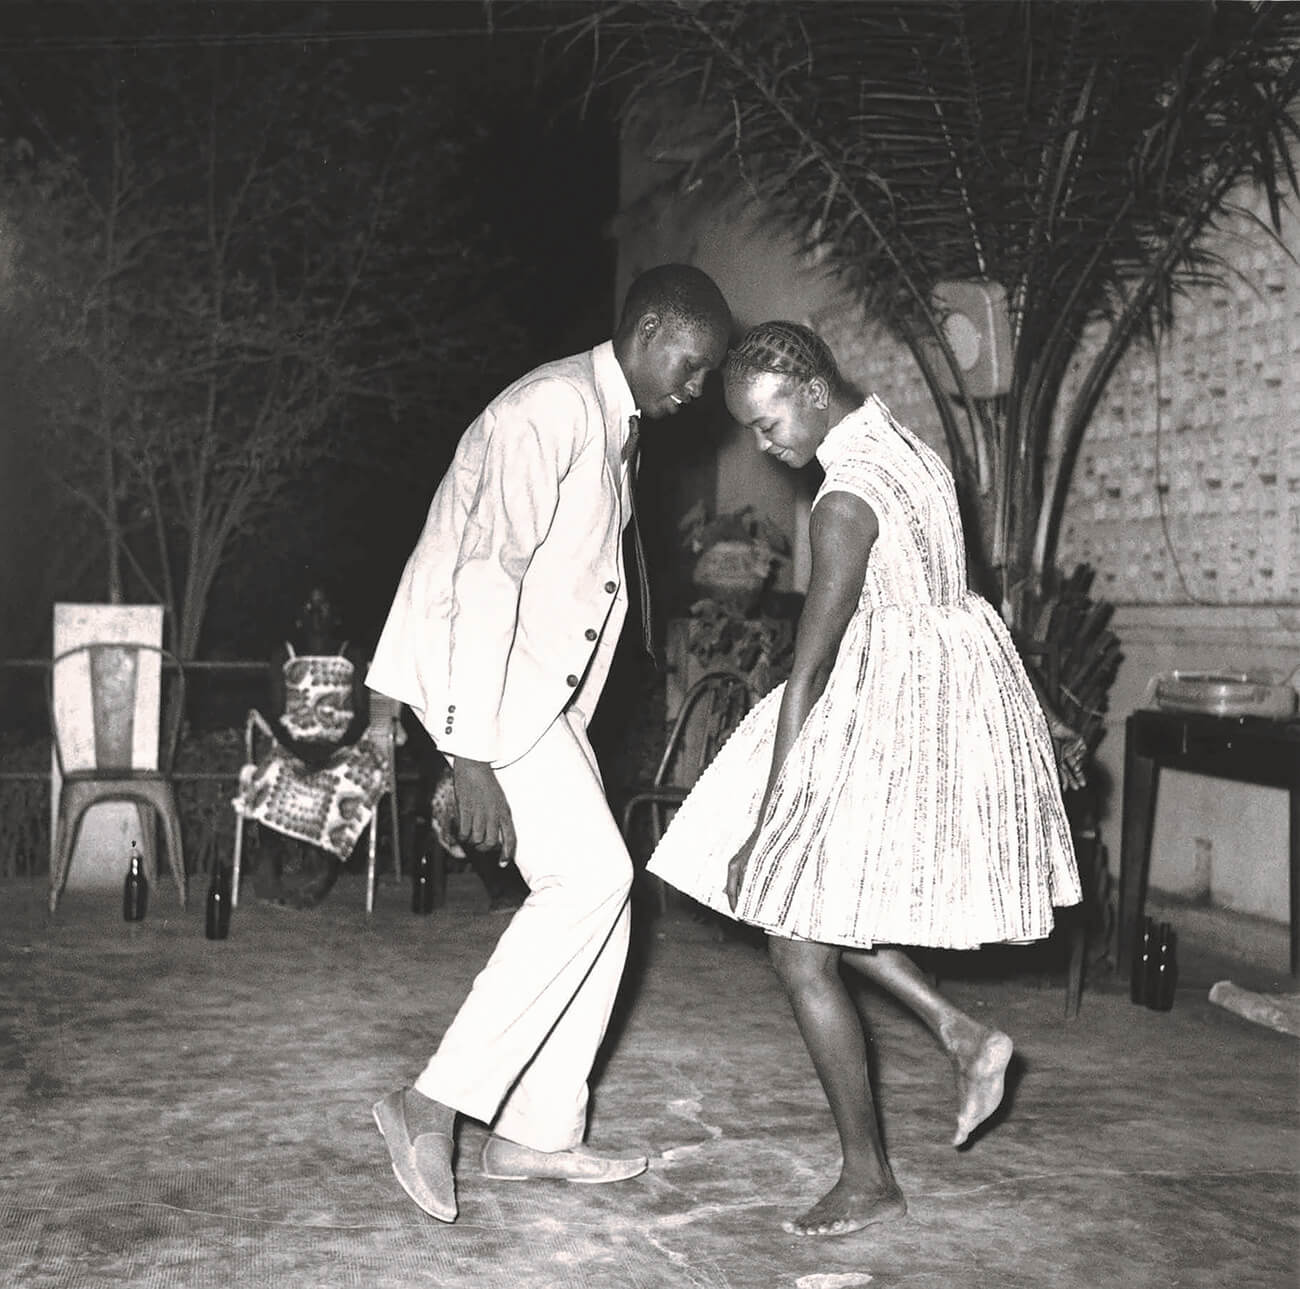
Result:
pixel 680 292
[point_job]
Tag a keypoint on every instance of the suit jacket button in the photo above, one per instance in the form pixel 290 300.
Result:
pixel 571 681
pixel 590 633
pixel 611 587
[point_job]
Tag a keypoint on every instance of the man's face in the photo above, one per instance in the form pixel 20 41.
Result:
pixel 674 359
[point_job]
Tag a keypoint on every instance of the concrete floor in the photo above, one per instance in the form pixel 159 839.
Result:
pixel 184 1113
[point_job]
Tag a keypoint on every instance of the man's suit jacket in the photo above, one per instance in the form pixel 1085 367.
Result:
pixel 511 604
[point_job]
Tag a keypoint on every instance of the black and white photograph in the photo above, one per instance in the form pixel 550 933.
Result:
pixel 650 644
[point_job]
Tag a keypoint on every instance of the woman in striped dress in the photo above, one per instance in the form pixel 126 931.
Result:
pixel 902 787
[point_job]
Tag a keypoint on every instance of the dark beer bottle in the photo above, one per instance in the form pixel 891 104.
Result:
pixel 423 876
pixel 1163 980
pixel 1143 957
pixel 216 924
pixel 135 890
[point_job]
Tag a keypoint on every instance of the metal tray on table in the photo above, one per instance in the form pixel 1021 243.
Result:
pixel 1222 693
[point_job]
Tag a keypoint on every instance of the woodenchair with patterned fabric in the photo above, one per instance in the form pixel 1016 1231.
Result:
pixel 710 711
pixel 114 675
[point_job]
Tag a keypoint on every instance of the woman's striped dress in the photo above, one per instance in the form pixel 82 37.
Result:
pixel 920 803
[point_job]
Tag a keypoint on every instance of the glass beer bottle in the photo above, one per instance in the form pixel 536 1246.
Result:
pixel 135 889
pixel 216 922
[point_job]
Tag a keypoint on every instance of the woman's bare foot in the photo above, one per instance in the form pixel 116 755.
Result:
pixel 849 1206
pixel 981 1057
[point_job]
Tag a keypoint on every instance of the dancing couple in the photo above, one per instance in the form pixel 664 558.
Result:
pixel 900 789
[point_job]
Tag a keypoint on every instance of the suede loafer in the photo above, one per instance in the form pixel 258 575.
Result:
pixel 507 1161
pixel 422 1165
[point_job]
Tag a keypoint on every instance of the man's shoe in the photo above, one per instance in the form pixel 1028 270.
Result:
pixel 422 1165
pixel 507 1161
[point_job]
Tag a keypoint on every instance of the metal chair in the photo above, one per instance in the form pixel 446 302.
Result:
pixel 114 677
pixel 710 711
pixel 385 730
pixel 386 726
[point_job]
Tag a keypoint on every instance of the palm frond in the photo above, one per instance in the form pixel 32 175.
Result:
pixel 1077 152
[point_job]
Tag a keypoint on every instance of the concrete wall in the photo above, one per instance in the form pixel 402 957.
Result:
pixel 1187 501
pixel 1186 498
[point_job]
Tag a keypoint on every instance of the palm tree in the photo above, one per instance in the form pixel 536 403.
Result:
pixel 1077 153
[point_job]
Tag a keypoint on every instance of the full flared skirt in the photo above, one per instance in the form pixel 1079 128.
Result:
pixel 919 805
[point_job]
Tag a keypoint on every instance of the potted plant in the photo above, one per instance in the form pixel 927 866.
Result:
pixel 734 554
pixel 759 649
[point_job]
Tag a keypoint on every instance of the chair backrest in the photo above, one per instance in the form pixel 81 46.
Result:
pixel 384 711
pixel 114 674
pixel 385 724
pixel 317 696
pixel 710 711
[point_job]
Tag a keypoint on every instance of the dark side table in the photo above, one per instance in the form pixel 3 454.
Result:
pixel 1250 749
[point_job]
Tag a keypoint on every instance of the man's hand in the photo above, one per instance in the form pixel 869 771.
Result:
pixel 736 869
pixel 483 816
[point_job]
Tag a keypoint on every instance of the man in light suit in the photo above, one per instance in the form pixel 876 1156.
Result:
pixel 500 638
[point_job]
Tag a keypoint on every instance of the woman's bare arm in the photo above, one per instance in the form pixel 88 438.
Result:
pixel 843 528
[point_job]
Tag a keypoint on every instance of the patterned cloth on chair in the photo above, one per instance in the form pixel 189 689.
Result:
pixel 443 817
pixel 327 804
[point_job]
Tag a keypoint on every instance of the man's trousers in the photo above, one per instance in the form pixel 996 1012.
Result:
pixel 518 1053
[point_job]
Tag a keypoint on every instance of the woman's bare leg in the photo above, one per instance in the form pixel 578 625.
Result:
pixel 866 1191
pixel 980 1055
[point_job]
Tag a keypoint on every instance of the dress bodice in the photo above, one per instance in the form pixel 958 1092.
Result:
pixel 919 556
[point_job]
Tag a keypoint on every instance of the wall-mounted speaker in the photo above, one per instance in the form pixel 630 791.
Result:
pixel 977 325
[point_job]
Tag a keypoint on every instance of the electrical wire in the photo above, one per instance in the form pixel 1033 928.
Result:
pixel 1281 613
pixel 1192 597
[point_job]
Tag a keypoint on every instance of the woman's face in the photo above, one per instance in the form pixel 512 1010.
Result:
pixel 787 417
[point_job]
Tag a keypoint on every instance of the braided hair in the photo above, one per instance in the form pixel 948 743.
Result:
pixel 786 348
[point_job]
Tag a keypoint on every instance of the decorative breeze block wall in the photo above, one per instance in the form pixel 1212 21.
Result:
pixel 1187 486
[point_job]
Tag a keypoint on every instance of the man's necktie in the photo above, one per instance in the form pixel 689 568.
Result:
pixel 630 449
